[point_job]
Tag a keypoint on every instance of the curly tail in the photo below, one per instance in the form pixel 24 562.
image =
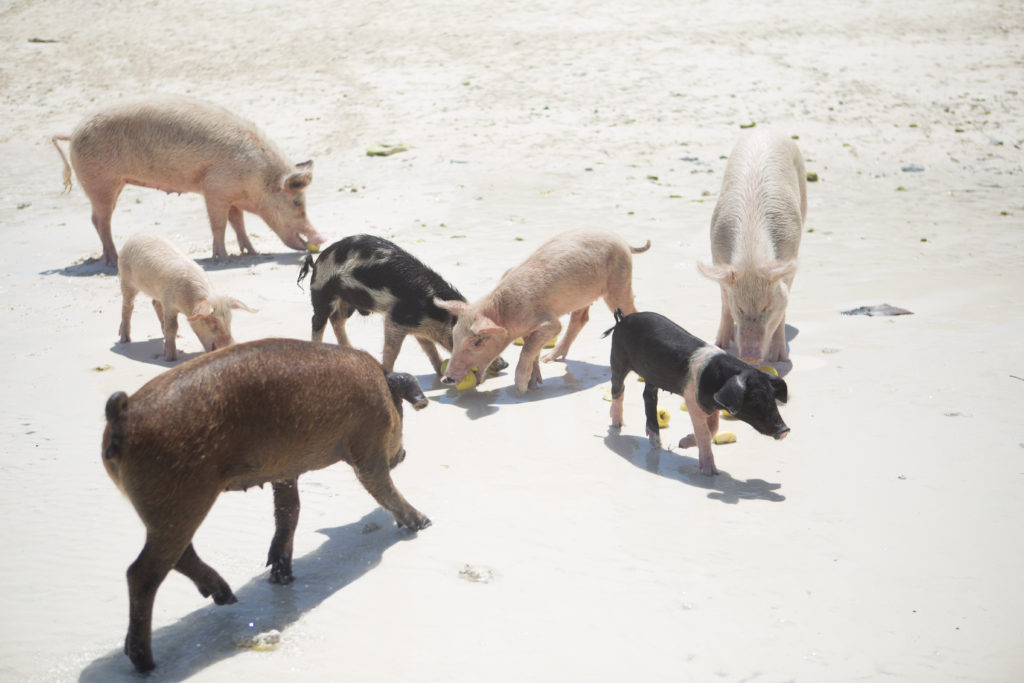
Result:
pixel 117 404
pixel 307 263
pixel 67 166
pixel 618 316
pixel 640 250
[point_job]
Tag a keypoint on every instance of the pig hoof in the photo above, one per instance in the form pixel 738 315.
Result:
pixel 224 599
pixel 282 577
pixel 416 523
pixel 140 655
pixel 688 441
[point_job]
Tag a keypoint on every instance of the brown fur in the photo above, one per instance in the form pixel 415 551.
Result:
pixel 277 408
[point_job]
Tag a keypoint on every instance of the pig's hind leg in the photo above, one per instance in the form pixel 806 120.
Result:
pixel 431 350
pixel 577 320
pixel 128 295
pixel 376 479
pixel 206 579
pixel 286 518
pixel 651 413
pixel 103 196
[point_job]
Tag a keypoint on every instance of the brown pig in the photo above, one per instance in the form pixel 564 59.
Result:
pixel 565 275
pixel 179 144
pixel 154 266
pixel 263 411
pixel 755 235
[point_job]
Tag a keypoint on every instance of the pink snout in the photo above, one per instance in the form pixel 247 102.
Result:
pixel 779 436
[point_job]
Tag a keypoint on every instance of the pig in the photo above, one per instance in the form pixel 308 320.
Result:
pixel 670 358
pixel 179 144
pixel 254 413
pixel 565 275
pixel 367 273
pixel 151 264
pixel 755 234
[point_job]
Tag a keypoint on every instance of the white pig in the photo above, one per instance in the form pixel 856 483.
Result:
pixel 565 275
pixel 755 235
pixel 154 266
pixel 179 144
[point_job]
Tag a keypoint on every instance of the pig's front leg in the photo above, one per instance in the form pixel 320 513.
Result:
pixel 528 368
pixel 704 427
pixel 431 351
pixel 777 347
pixel 169 324
pixel 376 479
pixel 725 326
pixel 393 338
pixel 237 220
pixel 205 577
pixel 286 518
pixel 651 412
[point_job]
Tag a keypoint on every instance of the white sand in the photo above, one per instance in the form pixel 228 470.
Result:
pixel 880 540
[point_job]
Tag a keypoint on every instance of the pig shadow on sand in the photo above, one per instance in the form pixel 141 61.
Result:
pixel 497 391
pixel 214 633
pixel 151 351
pixel 637 450
pixel 94 266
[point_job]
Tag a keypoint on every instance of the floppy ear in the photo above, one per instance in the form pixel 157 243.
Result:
pixel 781 391
pixel 777 270
pixel 202 309
pixel 297 180
pixel 730 396
pixel 484 325
pixel 456 308
pixel 238 305
pixel 725 275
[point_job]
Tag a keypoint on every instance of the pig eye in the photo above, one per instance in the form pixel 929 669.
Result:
pixel 297 201
pixel 478 342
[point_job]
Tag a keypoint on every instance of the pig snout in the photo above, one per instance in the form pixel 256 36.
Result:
pixel 447 379
pixel 781 434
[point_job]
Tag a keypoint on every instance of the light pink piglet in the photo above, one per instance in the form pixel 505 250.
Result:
pixel 152 265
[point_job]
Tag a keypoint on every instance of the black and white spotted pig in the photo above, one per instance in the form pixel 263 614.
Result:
pixel 670 358
pixel 368 274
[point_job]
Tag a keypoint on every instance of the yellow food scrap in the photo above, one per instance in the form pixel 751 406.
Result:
pixel 607 394
pixel 727 415
pixel 312 247
pixel 724 437
pixel 663 417
pixel 769 369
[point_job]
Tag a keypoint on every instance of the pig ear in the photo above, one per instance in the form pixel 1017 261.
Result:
pixel 202 309
pixel 723 274
pixel 404 386
pixel 454 307
pixel 305 165
pixel 484 325
pixel 238 305
pixel 781 391
pixel 293 182
pixel 777 270
pixel 730 396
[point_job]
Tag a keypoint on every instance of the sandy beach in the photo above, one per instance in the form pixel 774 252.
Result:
pixel 875 543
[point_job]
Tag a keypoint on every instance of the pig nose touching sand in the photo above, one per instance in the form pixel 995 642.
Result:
pixel 179 144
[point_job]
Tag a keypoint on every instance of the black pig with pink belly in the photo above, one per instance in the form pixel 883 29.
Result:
pixel 670 358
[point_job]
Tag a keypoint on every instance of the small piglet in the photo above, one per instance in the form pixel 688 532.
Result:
pixel 565 275
pixel 179 144
pixel 755 235
pixel 259 412
pixel 670 358
pixel 152 265
pixel 370 274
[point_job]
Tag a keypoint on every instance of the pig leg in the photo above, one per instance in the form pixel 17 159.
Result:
pixel 237 221
pixel 725 326
pixel 619 292
pixel 341 313
pixel 169 323
pixel 704 427
pixel 577 320
pixel 217 211
pixel 128 294
pixel 286 518
pixel 620 368
pixel 103 197
pixel 393 338
pixel 206 579
pixel 323 307
pixel 158 556
pixel 431 350
pixel 376 479
pixel 777 347
pixel 528 368
pixel 651 412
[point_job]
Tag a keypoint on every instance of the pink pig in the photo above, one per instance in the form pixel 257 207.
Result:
pixel 154 266
pixel 178 144
pixel 755 235
pixel 565 275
